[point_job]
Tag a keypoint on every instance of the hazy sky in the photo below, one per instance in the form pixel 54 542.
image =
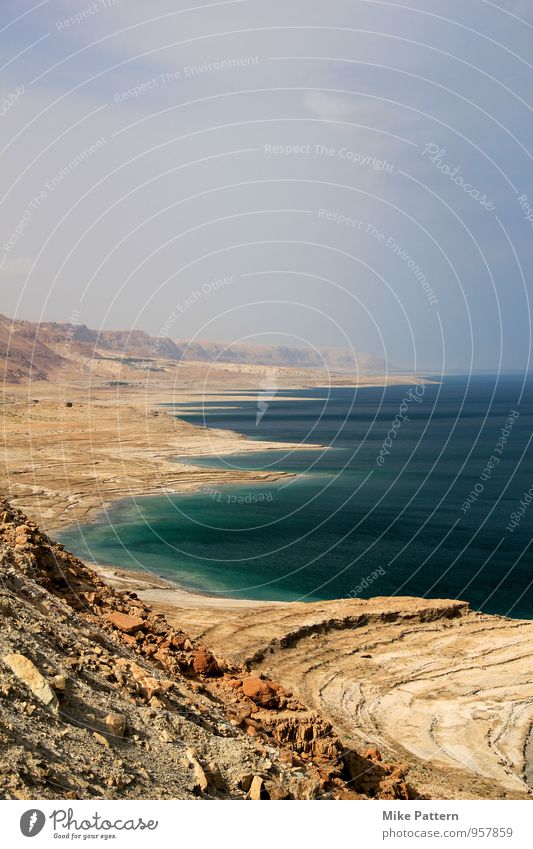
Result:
pixel 348 172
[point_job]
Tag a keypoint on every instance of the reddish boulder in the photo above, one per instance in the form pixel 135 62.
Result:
pixel 125 623
pixel 203 662
pixel 263 693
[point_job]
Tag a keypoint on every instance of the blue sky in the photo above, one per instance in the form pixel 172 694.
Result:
pixel 361 171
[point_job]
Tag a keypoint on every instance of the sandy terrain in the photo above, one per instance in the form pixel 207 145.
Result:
pixel 433 684
pixel 430 682
pixel 64 464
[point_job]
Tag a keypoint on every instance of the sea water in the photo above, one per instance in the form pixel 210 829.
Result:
pixel 419 491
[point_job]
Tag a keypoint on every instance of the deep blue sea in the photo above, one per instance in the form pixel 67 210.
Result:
pixel 380 511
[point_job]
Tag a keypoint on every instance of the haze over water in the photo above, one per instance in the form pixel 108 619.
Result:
pixel 349 523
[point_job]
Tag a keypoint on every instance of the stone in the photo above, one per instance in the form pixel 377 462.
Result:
pixel 246 782
pixel 277 791
pixel 203 663
pixel 27 672
pixel 256 788
pixel 140 680
pixel 215 778
pixel 101 739
pixel 125 623
pixel 59 683
pixel 166 736
pixel 261 692
pixel 116 724
pixel 201 783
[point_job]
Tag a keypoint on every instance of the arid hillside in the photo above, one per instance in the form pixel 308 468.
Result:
pixel 102 698
pixel 24 355
pixel 46 350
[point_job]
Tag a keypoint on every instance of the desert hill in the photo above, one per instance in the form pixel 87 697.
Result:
pixel 24 354
pixel 102 698
pixel 39 350
pixel 336 360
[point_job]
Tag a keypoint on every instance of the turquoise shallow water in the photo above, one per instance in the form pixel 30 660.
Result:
pixel 382 511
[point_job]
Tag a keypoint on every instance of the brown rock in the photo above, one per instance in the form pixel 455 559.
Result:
pixel 277 791
pixel 200 779
pixel 27 672
pixel 59 683
pixel 246 782
pixel 166 736
pixel 125 623
pixel 256 788
pixel 261 692
pixel 116 724
pixel 142 682
pixel 203 662
pixel 101 739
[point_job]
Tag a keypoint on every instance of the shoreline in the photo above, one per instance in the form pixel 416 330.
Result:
pixel 85 458
pixel 128 447
pixel 161 593
pixel 369 666
pixel 144 428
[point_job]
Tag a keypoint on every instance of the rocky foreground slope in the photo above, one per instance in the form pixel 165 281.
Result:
pixel 102 698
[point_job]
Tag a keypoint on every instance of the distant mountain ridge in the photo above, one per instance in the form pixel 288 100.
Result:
pixel 339 360
pixel 36 349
